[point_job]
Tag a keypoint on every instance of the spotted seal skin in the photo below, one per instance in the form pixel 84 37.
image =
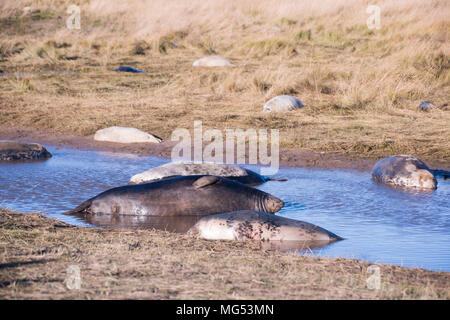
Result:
pixel 254 225
pixel 180 196
pixel 173 169
pixel 405 171
pixel 11 150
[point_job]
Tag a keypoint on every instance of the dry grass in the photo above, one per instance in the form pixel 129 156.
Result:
pixel 116 264
pixel 362 87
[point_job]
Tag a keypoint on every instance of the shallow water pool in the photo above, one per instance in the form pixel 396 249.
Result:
pixel 380 224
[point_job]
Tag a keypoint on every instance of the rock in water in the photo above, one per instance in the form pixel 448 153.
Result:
pixel 125 135
pixel 212 61
pixel 254 225
pixel 282 103
pixel 11 150
pixel 405 171
pixel 173 169
pixel 180 196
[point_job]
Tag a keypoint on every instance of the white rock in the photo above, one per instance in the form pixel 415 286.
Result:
pixel 125 135
pixel 212 61
pixel 282 103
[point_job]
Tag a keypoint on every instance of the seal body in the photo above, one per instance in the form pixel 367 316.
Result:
pixel 254 225
pixel 11 150
pixel 282 103
pixel 405 171
pixel 212 61
pixel 178 196
pixel 125 135
pixel 173 169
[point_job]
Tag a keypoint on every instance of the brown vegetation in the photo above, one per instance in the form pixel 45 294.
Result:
pixel 148 264
pixel 362 87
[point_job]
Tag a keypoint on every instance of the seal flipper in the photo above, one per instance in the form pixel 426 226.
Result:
pixel 81 208
pixel 205 181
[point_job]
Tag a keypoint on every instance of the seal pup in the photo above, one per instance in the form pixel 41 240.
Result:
pixel 173 169
pixel 405 171
pixel 189 196
pixel 125 135
pixel 282 103
pixel 255 225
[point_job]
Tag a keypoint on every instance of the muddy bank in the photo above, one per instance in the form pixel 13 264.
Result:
pixel 149 264
pixel 288 157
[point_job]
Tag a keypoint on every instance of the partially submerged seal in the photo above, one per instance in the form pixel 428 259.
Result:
pixel 254 225
pixel 189 196
pixel 125 135
pixel 173 169
pixel 282 103
pixel 405 171
pixel 11 150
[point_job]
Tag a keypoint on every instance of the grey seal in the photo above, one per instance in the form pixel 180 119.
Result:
pixel 282 103
pixel 173 169
pixel 11 150
pixel 405 171
pixel 189 196
pixel 254 225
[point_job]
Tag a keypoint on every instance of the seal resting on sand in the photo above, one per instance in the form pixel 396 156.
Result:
pixel 173 169
pixel 405 171
pixel 254 225
pixel 178 196
pixel 282 103
pixel 11 150
pixel 125 135
pixel 212 61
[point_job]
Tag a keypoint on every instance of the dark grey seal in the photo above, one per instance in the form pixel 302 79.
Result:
pixel 11 150
pixel 405 171
pixel 188 196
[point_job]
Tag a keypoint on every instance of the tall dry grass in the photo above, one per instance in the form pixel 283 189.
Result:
pixel 362 87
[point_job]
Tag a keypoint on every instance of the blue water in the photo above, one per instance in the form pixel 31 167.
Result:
pixel 380 224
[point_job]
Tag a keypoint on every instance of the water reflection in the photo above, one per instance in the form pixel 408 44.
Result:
pixel 381 224
pixel 179 224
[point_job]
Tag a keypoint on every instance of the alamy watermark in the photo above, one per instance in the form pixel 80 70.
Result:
pixel 374 281
pixel 73 279
pixel 74 20
pixel 258 144
pixel 374 20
